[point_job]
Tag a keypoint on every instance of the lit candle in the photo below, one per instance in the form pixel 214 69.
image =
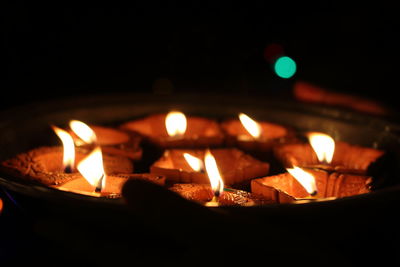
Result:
pixel 112 187
pixel 217 184
pixel 45 165
pixel 323 152
pixel 312 184
pixel 91 167
pixel 92 170
pixel 93 180
pixel 287 187
pixel 209 195
pixel 176 130
pixel 256 137
pixel 185 166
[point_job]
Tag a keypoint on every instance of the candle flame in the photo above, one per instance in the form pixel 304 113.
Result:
pixel 83 131
pixel 217 184
pixel 195 163
pixel 91 168
pixel 251 126
pixel 306 179
pixel 176 123
pixel 68 148
pixel 323 145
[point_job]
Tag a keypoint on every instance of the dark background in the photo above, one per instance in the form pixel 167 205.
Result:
pixel 54 49
pixel 50 50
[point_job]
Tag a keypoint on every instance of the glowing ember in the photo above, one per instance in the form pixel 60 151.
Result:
pixel 251 126
pixel 83 131
pixel 175 123
pixel 323 145
pixel 307 180
pixel 92 169
pixel 68 147
pixel 195 163
pixel 217 184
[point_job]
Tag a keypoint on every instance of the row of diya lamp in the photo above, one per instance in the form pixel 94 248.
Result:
pixel 202 160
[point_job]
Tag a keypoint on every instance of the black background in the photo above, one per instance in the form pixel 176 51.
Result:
pixel 58 49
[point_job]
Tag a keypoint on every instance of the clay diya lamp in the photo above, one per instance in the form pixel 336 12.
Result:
pixel 214 194
pixel 322 152
pixel 45 165
pixel 175 130
pixel 301 186
pixel 186 166
pixel 203 194
pixel 55 165
pixel 112 141
pixel 93 181
pixel 340 169
pixel 257 138
pixel 251 135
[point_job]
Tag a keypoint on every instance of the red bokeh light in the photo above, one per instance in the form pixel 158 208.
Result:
pixel 272 52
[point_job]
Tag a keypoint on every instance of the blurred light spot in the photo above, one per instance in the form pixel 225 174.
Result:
pixel 285 67
pixel 272 52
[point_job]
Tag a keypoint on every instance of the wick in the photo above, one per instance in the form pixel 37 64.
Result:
pixel 314 193
pixel 68 169
pixel 99 185
pixel 217 194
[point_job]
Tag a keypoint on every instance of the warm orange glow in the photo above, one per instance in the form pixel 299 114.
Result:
pixel 323 145
pixel 92 169
pixel 251 126
pixel 175 123
pixel 68 148
pixel 307 180
pixel 83 131
pixel 217 184
pixel 195 163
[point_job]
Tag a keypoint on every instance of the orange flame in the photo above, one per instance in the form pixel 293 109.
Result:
pixel 251 126
pixel 217 184
pixel 175 123
pixel 91 168
pixel 68 148
pixel 83 131
pixel 195 163
pixel 306 179
pixel 323 145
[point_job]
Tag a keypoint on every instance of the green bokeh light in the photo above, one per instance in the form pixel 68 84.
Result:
pixel 285 67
